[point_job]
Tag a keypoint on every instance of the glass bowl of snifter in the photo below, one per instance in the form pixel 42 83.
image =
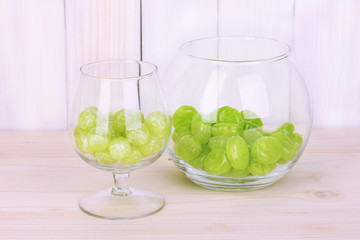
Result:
pixel 242 114
pixel 120 122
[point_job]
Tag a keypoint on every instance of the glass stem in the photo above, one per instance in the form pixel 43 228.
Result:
pixel 121 187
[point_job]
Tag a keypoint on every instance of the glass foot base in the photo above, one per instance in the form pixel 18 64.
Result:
pixel 135 204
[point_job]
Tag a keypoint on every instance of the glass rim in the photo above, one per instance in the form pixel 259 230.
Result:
pixel 130 77
pixel 184 48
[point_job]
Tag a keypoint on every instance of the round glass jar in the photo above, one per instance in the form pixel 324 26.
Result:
pixel 242 114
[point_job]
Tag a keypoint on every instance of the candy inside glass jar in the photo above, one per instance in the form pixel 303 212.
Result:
pixel 122 138
pixel 241 112
pixel 234 142
pixel 120 122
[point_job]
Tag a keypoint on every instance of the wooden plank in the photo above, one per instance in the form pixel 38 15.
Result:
pixel 42 180
pixel 168 24
pixel 32 65
pixel 32 56
pixel 261 18
pixel 99 30
pixel 325 46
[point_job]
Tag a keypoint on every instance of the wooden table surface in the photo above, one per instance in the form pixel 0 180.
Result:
pixel 42 180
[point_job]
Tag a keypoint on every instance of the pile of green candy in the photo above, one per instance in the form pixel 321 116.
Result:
pixel 233 143
pixel 125 136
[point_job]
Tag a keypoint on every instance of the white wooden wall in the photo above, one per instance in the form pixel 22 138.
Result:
pixel 43 43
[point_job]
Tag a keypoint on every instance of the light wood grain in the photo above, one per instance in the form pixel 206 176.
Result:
pixel 99 30
pixel 41 181
pixel 32 65
pixel 35 87
pixel 168 24
pixel 327 49
pixel 262 18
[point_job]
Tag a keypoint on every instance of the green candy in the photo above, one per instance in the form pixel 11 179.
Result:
pixel 106 128
pixel 228 142
pixel 138 135
pixel 282 161
pixel 228 114
pixel 124 118
pixel 185 125
pixel 236 173
pixel 226 129
pixel 288 146
pixel 199 161
pixel 97 142
pixel 154 146
pixel 251 135
pixel 110 116
pixel 183 114
pixel 266 133
pixel 81 141
pixel 177 135
pixel 158 124
pixel 211 117
pixel 77 131
pixel 287 128
pixel 258 169
pixel 134 157
pixel 250 120
pixel 87 118
pixel 218 142
pixel 237 152
pixel 133 115
pixel 298 140
pixel 200 129
pixel 266 150
pixel 101 117
pixel 113 133
pixel 119 122
pixel 182 129
pixel 216 162
pixel 187 148
pixel 120 148
pixel 104 158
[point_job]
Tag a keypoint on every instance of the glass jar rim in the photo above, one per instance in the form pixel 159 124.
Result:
pixel 151 69
pixel 187 49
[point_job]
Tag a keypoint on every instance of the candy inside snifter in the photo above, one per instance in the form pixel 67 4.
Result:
pixel 125 136
pixel 235 145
